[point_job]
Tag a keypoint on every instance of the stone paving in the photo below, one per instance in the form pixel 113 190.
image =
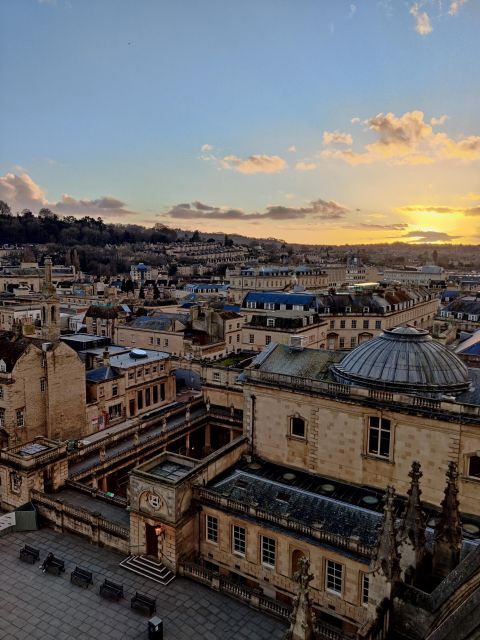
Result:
pixel 42 606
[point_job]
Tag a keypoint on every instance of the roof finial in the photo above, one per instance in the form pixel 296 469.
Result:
pixel 412 529
pixel 386 559
pixel 302 621
pixel 447 540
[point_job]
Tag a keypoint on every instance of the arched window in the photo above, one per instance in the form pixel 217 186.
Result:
pixel 52 314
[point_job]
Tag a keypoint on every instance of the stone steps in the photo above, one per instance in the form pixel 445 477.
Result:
pixel 147 568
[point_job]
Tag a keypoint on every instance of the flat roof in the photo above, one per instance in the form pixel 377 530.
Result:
pixel 170 470
pixel 137 357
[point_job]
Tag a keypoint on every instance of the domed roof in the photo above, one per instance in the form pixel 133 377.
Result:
pixel 404 359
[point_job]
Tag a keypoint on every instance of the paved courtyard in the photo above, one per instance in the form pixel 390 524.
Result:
pixel 41 606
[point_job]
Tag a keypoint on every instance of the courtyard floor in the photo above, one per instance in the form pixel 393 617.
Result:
pixel 42 606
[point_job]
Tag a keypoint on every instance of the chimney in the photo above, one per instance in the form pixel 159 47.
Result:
pixel 106 357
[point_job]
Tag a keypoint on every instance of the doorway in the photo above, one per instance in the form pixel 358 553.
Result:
pixel 151 541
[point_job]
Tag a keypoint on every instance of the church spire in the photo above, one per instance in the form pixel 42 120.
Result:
pixel 412 529
pixel 50 305
pixel 447 539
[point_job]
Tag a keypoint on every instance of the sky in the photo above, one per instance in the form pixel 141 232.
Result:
pixel 315 121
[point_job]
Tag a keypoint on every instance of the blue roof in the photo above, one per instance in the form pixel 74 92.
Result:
pixel 280 298
pixel 232 307
pixel 206 286
pixel 451 295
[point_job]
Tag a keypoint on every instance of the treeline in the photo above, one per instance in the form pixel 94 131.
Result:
pixel 48 228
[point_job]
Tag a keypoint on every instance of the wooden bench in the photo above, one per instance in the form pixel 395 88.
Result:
pixel 82 577
pixel 55 566
pixel 29 554
pixel 111 590
pixel 142 601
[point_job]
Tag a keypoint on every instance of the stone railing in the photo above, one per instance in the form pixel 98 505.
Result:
pixel 31 461
pixel 93 526
pixel 337 540
pixel 465 412
pixel 96 493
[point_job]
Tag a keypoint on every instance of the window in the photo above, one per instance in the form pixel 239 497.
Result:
pixel 216 376
pixel 352 341
pixel 212 529
pixel 147 397
pixel 364 589
pixel 342 343
pixel 158 341
pixel 114 390
pixel 348 309
pixel 270 322
pixel 43 385
pixel 140 400
pixel 165 342
pixel 354 324
pixel 474 466
pixel 238 337
pixel 101 392
pixel 379 436
pixel 268 339
pixel 155 393
pixel 268 551
pixel 115 411
pixel 1 393
pixel 238 540
pixel 147 371
pixel 378 324
pixel 366 324
pixel 2 417
pixel 332 324
pixel 20 418
pixel 151 340
pixel 297 427
pixel 251 304
pixel 269 305
pixel 333 577
pixel 229 339
pixel 251 338
pixel 342 324
pixel 130 375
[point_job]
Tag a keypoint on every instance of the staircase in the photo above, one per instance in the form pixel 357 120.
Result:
pixel 148 568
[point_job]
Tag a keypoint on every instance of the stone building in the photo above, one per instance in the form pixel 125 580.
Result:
pixel 103 319
pixel 273 278
pixel 326 433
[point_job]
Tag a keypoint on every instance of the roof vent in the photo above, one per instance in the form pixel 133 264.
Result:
pixel 297 343
pixel 136 354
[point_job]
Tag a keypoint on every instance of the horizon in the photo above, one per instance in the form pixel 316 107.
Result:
pixel 329 124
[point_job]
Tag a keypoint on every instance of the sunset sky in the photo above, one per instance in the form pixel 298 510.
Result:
pixel 319 121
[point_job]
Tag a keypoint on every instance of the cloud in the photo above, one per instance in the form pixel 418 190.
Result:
pixel 399 226
pixel 429 236
pixel 317 210
pixel 336 137
pixel 206 148
pixel 305 166
pixel 408 139
pixel 455 6
pixel 21 192
pixel 467 211
pixel 292 149
pixel 355 120
pixel 438 121
pixel 423 25
pixel 352 11
pixel 254 164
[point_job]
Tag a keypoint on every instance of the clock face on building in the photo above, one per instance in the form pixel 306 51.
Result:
pixel 153 500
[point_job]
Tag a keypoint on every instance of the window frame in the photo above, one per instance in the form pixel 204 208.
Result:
pixel 266 551
pixel 238 539
pixel 298 435
pixel 332 575
pixel 380 428
pixel 211 529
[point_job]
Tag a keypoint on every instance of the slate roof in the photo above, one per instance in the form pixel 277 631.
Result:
pixel 337 303
pixel 103 312
pixel 280 298
pixel 101 374
pixel 468 304
pixel 404 359
pixel 307 363
pixel 12 349
pixel 160 322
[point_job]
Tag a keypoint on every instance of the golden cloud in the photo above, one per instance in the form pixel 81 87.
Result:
pixel 336 137
pixel 305 166
pixel 408 139
pixel 254 164
pixel 422 20
pixel 440 209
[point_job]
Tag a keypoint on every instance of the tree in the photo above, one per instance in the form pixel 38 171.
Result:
pixel 195 236
pixel 5 209
pixel 435 256
pixel 129 286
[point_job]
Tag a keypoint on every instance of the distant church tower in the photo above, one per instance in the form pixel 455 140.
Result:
pixel 50 306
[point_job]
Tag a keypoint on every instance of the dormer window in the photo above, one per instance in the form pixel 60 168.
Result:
pixel 366 309
pixel 348 309
pixel 3 366
pixel 270 322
